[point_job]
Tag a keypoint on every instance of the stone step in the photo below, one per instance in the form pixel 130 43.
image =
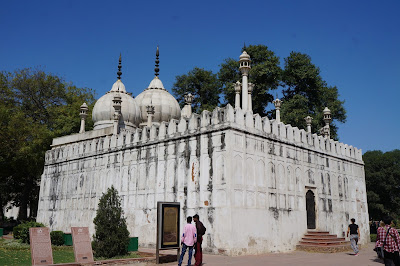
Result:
pixel 320 235
pixel 317 239
pixel 324 249
pixel 317 233
pixel 325 243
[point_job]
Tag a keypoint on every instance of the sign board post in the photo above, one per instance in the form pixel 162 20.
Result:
pixel 41 252
pixel 82 244
pixel 168 227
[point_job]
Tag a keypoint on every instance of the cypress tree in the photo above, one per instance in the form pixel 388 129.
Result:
pixel 112 236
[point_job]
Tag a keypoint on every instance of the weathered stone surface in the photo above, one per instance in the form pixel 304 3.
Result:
pixel 232 176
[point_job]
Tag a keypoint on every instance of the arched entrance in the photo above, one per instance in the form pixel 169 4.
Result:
pixel 310 207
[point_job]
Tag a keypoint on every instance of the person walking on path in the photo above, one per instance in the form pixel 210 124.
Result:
pixel 201 230
pixel 354 235
pixel 188 240
pixel 389 239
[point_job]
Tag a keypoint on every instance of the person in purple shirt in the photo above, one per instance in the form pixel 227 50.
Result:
pixel 188 240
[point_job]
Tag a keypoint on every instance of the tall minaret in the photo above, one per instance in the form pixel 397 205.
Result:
pixel 327 120
pixel 250 88
pixel 244 61
pixel 308 122
pixel 83 115
pixel 117 102
pixel 277 104
pixel 238 88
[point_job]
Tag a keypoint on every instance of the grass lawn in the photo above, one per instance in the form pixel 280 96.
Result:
pixel 14 253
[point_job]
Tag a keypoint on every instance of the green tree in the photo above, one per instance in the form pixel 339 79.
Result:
pixel 265 73
pixel 35 107
pixel 382 178
pixel 202 84
pixel 112 236
pixel 306 93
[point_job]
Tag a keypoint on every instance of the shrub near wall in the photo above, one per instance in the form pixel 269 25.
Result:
pixel 112 236
pixel 57 238
pixel 22 231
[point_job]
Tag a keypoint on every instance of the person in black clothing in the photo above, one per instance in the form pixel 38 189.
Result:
pixel 201 230
pixel 354 235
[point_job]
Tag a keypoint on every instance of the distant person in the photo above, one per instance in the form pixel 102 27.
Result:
pixel 354 235
pixel 373 227
pixel 201 230
pixel 188 240
pixel 389 239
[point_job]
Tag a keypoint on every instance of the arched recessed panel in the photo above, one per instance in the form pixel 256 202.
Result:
pixel 250 172
pixel 272 175
pixel 260 172
pixel 238 170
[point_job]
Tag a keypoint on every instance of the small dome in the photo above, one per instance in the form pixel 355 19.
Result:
pixel 103 111
pixel 244 56
pixel 166 107
pixel 156 84
pixel 118 86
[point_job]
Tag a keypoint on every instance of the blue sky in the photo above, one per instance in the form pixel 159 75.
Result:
pixel 356 44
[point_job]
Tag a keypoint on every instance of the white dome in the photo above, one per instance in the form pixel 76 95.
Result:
pixel 103 111
pixel 244 55
pixel 166 107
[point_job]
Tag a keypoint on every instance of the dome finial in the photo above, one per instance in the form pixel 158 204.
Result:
pixel 156 69
pixel 244 46
pixel 119 73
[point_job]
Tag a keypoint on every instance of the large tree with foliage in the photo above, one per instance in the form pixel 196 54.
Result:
pixel 382 178
pixel 112 235
pixel 35 107
pixel 202 84
pixel 265 73
pixel 306 93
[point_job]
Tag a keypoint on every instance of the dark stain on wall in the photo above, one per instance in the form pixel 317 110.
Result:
pixel 210 215
pixel 223 141
pixel 275 212
pixel 210 155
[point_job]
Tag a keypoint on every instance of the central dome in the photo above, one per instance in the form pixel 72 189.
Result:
pixel 166 107
pixel 103 111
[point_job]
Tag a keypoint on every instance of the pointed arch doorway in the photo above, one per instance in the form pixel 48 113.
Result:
pixel 310 207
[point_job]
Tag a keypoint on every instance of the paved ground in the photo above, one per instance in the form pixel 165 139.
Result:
pixel 367 257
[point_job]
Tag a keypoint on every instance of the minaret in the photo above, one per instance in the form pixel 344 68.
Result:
pixel 277 104
pixel 327 120
pixel 150 113
pixel 250 105
pixel 244 61
pixel 117 113
pixel 238 88
pixel 117 102
pixel 308 122
pixel 83 115
pixel 187 109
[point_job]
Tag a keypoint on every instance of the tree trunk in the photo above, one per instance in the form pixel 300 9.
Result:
pixel 24 200
pixel 1 210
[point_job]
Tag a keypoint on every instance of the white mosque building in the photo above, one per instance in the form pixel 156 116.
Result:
pixel 258 185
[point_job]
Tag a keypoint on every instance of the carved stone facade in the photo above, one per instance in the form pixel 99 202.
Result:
pixel 246 176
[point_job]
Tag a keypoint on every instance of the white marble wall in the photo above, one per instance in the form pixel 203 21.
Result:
pixel 246 177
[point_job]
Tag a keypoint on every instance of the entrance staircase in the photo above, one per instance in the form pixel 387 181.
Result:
pixel 323 242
